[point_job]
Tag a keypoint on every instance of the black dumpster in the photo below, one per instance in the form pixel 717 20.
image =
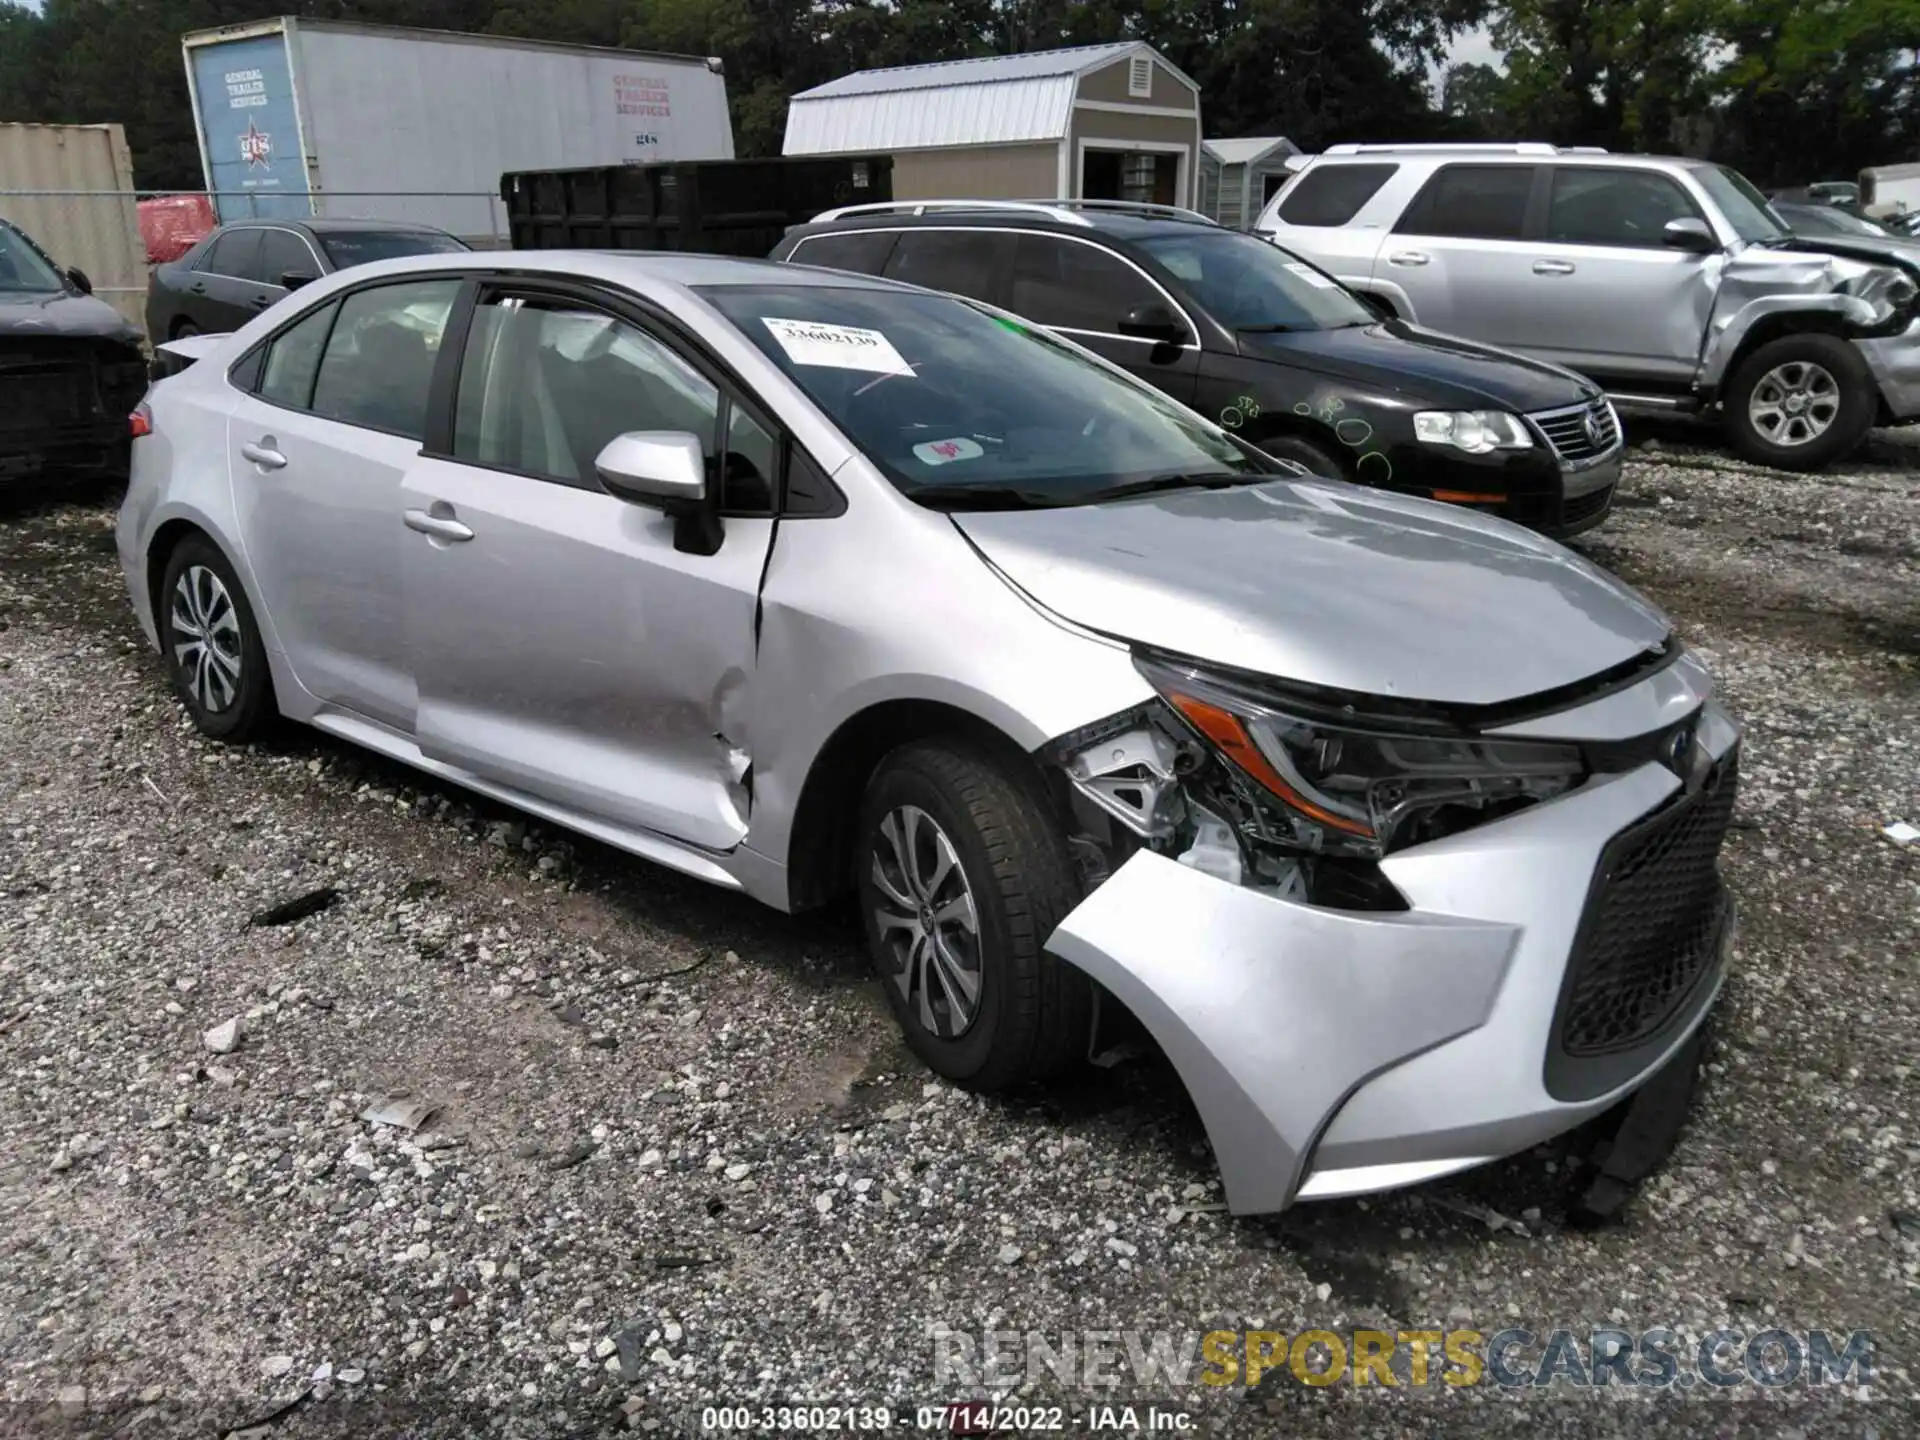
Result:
pixel 711 207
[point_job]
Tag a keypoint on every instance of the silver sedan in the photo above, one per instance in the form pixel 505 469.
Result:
pixel 1395 826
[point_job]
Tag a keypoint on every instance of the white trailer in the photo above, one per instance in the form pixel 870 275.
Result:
pixel 1890 189
pixel 317 117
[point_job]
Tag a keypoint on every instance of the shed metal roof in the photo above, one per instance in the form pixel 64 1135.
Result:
pixel 996 100
pixel 1249 151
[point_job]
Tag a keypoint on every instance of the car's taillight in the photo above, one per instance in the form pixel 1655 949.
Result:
pixel 140 422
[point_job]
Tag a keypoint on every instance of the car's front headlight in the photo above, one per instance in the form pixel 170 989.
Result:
pixel 1343 785
pixel 1478 432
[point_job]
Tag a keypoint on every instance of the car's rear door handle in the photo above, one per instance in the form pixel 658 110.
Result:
pixel 1553 267
pixel 262 453
pixel 1408 257
pixel 440 527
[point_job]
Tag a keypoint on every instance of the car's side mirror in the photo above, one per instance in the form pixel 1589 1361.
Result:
pixel 79 279
pixel 1690 234
pixel 665 469
pixel 294 279
pixel 1155 323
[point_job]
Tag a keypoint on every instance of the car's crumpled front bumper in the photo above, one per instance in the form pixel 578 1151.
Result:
pixel 1895 363
pixel 1332 1052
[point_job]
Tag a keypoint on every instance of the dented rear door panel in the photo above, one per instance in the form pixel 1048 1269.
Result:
pixel 569 651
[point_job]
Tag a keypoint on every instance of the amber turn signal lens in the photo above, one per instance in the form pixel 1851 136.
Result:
pixel 1224 729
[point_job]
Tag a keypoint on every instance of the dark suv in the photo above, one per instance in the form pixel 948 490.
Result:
pixel 1261 342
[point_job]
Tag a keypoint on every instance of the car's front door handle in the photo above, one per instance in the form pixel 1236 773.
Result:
pixel 1409 257
pixel 1553 267
pixel 440 527
pixel 262 453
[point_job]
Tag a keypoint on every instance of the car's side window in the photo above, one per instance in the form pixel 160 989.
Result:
pixel 1072 286
pixel 232 254
pixel 1333 194
pixel 963 262
pixel 377 368
pixel 1614 207
pixel 281 251
pixel 864 252
pixel 546 383
pixel 1472 202
pixel 293 359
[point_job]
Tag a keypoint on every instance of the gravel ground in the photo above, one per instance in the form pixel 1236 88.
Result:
pixel 677 1153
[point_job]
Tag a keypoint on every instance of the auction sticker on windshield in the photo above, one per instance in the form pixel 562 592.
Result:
pixel 1313 277
pixel 837 347
pixel 941 452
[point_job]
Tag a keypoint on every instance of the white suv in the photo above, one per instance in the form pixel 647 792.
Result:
pixel 1669 281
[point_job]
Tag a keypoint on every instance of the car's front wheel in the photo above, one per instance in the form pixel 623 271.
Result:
pixel 1318 459
pixel 963 874
pixel 1800 402
pixel 212 645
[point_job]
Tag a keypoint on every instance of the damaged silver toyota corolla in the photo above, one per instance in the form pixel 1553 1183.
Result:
pixel 1396 826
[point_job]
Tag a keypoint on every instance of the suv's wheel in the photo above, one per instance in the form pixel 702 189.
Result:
pixel 212 644
pixel 184 329
pixel 1303 452
pixel 963 875
pixel 1799 402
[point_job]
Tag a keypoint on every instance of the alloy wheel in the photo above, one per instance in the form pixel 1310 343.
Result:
pixel 206 638
pixel 1795 403
pixel 929 927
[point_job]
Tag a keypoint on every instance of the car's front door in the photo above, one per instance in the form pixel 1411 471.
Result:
pixel 1085 291
pixel 1605 293
pixel 563 646
pixel 1459 253
pixel 316 453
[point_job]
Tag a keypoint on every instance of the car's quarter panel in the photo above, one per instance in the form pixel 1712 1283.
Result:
pixel 568 649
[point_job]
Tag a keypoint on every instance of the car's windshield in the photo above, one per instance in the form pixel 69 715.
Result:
pixel 1746 208
pixel 357 247
pixel 1249 284
pixel 961 406
pixel 23 267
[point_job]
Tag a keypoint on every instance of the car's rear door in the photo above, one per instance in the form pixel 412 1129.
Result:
pixel 564 648
pixel 1084 290
pixel 317 450
pixel 222 289
pixel 1459 253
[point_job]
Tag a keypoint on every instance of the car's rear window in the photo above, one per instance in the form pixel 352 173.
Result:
pixel 358 247
pixel 1333 194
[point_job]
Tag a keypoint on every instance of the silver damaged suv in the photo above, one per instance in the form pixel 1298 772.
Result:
pixel 1395 825
pixel 1669 281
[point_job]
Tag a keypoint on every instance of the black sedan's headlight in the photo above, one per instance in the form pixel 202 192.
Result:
pixel 1354 786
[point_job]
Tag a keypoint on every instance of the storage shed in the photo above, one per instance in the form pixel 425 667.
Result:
pixel 1097 122
pixel 1238 177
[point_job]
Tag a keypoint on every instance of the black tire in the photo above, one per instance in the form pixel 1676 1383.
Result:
pixel 1856 401
pixel 229 695
pixel 1302 451
pixel 183 328
pixel 1032 1012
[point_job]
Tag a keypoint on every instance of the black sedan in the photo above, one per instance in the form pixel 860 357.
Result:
pixel 242 268
pixel 71 370
pixel 1261 342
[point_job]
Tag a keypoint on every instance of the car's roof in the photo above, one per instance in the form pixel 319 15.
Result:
pixel 1118 225
pixel 329 224
pixel 634 267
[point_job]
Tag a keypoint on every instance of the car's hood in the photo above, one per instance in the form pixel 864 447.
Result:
pixel 58 312
pixel 1328 584
pixel 1898 250
pixel 1427 367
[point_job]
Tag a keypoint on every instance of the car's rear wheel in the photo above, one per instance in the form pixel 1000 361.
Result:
pixel 1302 451
pixel 963 874
pixel 184 328
pixel 1800 402
pixel 212 645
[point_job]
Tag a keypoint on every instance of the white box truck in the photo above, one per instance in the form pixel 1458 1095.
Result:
pixel 317 117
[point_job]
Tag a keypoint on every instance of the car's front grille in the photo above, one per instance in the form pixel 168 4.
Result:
pixel 1652 924
pixel 1581 508
pixel 35 397
pixel 1584 432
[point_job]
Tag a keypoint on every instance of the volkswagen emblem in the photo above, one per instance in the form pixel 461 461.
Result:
pixel 1596 430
